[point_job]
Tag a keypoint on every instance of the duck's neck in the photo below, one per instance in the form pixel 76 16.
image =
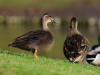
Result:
pixel 74 28
pixel 45 26
pixel 74 31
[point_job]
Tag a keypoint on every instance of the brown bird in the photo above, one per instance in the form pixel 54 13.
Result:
pixel 36 40
pixel 76 45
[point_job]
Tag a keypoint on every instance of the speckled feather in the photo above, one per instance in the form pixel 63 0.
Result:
pixel 73 45
pixel 34 40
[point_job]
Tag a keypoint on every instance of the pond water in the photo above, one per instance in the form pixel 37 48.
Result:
pixel 9 32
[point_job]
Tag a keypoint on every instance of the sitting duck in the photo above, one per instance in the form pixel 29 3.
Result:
pixel 36 40
pixel 93 56
pixel 76 46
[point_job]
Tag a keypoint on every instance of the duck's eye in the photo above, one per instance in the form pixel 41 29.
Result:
pixel 49 16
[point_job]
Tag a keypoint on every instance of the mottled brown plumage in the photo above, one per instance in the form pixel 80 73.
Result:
pixel 76 45
pixel 36 40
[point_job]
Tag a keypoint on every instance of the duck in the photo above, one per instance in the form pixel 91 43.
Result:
pixel 76 46
pixel 93 56
pixel 36 40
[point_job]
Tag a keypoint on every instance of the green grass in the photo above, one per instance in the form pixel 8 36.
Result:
pixel 24 64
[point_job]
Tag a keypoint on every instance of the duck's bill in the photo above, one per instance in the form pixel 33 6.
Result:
pixel 52 20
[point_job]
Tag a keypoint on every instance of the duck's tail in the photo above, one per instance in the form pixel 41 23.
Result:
pixel 9 44
pixel 12 44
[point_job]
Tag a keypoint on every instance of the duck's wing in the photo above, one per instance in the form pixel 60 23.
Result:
pixel 77 42
pixel 86 43
pixel 74 45
pixel 33 39
pixel 25 38
pixel 24 35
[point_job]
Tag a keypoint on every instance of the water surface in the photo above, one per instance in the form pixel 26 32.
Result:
pixel 9 32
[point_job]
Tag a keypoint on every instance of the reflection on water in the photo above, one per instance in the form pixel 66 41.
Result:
pixel 9 32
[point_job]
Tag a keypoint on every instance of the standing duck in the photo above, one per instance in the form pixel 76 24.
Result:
pixel 36 40
pixel 93 56
pixel 76 45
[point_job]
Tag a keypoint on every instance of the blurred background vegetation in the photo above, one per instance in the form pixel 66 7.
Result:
pixel 20 16
pixel 57 7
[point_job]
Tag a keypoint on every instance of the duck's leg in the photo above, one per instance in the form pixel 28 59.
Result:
pixel 35 54
pixel 81 60
pixel 83 56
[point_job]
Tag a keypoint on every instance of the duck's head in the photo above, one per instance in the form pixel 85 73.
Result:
pixel 47 18
pixel 73 23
